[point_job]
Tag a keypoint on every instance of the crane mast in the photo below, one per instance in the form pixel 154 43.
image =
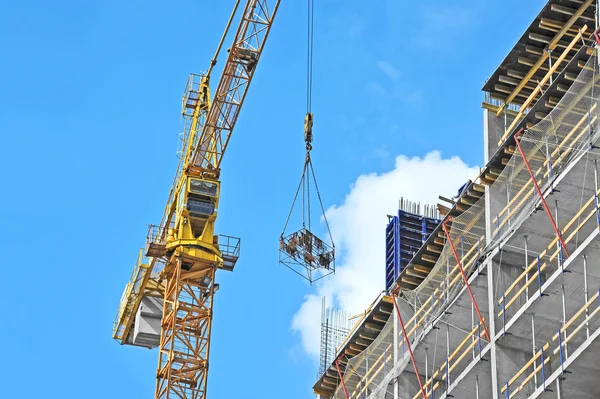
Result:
pixel 176 273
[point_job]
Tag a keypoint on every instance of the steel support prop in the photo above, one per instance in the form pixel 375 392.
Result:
pixel 464 276
pixel 410 352
pixel 539 191
pixel 337 366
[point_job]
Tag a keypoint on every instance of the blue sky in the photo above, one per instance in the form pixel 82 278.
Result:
pixel 90 102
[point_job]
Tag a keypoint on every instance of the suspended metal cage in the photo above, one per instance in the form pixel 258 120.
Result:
pixel 307 255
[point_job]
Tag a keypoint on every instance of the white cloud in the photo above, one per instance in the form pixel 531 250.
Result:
pixel 358 228
pixel 389 69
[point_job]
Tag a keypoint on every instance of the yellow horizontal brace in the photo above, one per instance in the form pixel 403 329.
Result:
pixel 576 315
pixel 538 88
pixel 525 367
pixel 545 251
pixel 530 183
pixel 547 345
pixel 577 329
pixel 465 352
pixel 526 185
pixel 584 118
pixel 426 308
pixel 453 366
pixel 557 120
pixel 551 46
pixel 543 266
pixel 454 353
pixel 412 319
pixel 358 324
pixel 570 149
pixel 530 376
pixel 376 371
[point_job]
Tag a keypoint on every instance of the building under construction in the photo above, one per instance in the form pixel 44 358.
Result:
pixel 502 299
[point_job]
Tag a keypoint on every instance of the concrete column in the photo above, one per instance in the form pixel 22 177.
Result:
pixel 559 388
pixel 492 328
pixel 493 129
pixel 396 329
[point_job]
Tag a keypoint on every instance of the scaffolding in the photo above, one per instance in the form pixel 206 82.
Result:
pixel 545 158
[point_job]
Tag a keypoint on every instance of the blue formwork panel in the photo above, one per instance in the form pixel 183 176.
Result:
pixel 404 235
pixel 392 245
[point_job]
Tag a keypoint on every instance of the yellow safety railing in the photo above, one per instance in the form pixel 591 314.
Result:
pixel 448 366
pixel 538 265
pixel 541 84
pixel 415 322
pixel 546 354
pixel 528 186
pixel 358 323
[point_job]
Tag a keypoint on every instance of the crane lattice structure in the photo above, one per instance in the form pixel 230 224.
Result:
pixel 175 276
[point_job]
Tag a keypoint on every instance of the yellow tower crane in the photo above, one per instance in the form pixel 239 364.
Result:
pixel 168 300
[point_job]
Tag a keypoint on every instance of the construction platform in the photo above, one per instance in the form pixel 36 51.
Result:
pixel 503 298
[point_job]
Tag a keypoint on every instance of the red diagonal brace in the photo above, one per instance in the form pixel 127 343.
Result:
pixel 410 352
pixel 596 35
pixel 337 366
pixel 539 191
pixel 464 276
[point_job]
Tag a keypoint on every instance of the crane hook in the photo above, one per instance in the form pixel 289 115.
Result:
pixel 308 137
